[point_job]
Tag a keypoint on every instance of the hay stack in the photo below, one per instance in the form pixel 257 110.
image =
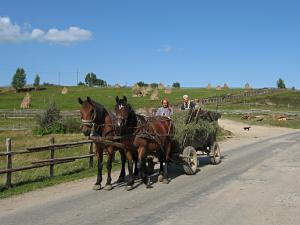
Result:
pixel 117 86
pixel 64 90
pixel 168 90
pixel 247 86
pixel 161 86
pixel 225 86
pixel 145 91
pixel 209 86
pixel 218 88
pixel 136 91
pixel 154 95
pixel 26 101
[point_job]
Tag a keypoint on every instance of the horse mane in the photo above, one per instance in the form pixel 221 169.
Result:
pixel 100 110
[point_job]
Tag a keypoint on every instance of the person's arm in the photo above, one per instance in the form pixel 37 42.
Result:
pixel 171 111
pixel 182 106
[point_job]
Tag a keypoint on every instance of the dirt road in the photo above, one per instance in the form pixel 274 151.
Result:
pixel 257 182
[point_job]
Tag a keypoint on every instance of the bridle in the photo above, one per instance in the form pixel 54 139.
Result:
pixel 92 123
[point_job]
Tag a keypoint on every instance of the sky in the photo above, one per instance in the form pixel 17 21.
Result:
pixel 194 42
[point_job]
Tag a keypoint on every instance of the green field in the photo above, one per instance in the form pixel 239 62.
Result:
pixel 105 96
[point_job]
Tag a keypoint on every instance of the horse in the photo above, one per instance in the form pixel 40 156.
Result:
pixel 155 138
pixel 127 122
pixel 97 121
pixel 152 136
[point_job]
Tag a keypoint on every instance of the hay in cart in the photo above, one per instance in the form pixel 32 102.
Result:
pixel 193 131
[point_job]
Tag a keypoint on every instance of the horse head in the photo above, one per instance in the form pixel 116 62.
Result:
pixel 124 114
pixel 92 115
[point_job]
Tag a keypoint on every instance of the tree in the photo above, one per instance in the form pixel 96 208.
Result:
pixel 19 79
pixel 176 85
pixel 80 83
pixel 100 82
pixel 280 83
pixel 154 85
pixel 36 82
pixel 141 84
pixel 90 79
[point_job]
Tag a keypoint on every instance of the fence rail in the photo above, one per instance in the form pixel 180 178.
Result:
pixel 52 147
pixel 32 113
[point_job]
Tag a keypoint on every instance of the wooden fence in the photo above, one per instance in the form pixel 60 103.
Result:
pixel 47 162
pixel 232 97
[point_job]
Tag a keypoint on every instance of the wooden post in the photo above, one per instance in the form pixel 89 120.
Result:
pixel 9 162
pixel 91 162
pixel 52 141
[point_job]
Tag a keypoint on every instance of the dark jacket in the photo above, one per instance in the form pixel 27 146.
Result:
pixel 187 106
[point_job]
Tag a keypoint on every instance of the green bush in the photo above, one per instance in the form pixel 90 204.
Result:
pixel 71 125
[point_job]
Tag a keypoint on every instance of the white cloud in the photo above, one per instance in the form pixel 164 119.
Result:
pixel 166 49
pixel 10 32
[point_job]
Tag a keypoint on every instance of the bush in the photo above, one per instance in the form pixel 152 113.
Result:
pixel 71 125
pixel 176 85
pixel 49 121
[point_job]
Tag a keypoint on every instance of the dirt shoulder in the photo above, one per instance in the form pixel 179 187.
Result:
pixel 49 194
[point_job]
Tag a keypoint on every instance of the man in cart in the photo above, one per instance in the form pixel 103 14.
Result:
pixel 187 104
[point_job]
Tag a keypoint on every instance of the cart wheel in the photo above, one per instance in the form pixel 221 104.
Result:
pixel 215 154
pixel 190 160
pixel 150 166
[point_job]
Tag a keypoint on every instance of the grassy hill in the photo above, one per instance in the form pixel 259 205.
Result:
pixel 277 101
pixel 106 96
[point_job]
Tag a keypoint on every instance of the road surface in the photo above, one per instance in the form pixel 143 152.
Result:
pixel 258 183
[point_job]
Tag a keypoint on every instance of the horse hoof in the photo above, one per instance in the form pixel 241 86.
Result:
pixel 165 181
pixel 120 180
pixel 108 187
pixel 160 178
pixel 97 187
pixel 129 187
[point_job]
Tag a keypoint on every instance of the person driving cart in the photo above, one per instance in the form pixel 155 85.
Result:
pixel 165 109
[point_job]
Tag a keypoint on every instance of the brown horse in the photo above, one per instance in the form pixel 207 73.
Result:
pixel 155 138
pixel 97 121
pixel 127 124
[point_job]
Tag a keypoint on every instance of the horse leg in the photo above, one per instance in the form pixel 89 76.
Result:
pixel 130 170
pixel 123 160
pixel 161 169
pixel 141 166
pixel 110 151
pixel 167 153
pixel 136 171
pixel 99 152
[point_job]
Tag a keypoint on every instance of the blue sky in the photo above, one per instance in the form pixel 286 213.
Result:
pixel 193 42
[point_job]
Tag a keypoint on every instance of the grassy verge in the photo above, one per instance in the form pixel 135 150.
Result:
pixel 25 181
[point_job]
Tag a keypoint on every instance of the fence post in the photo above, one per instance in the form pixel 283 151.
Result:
pixel 91 162
pixel 9 162
pixel 52 141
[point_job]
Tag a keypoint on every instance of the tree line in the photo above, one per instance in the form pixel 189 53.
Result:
pixel 91 80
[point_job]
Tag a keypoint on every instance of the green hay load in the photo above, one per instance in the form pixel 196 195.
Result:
pixel 200 133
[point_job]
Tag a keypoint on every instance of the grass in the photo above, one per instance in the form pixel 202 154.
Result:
pixel 279 101
pixel 24 181
pixel 106 96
